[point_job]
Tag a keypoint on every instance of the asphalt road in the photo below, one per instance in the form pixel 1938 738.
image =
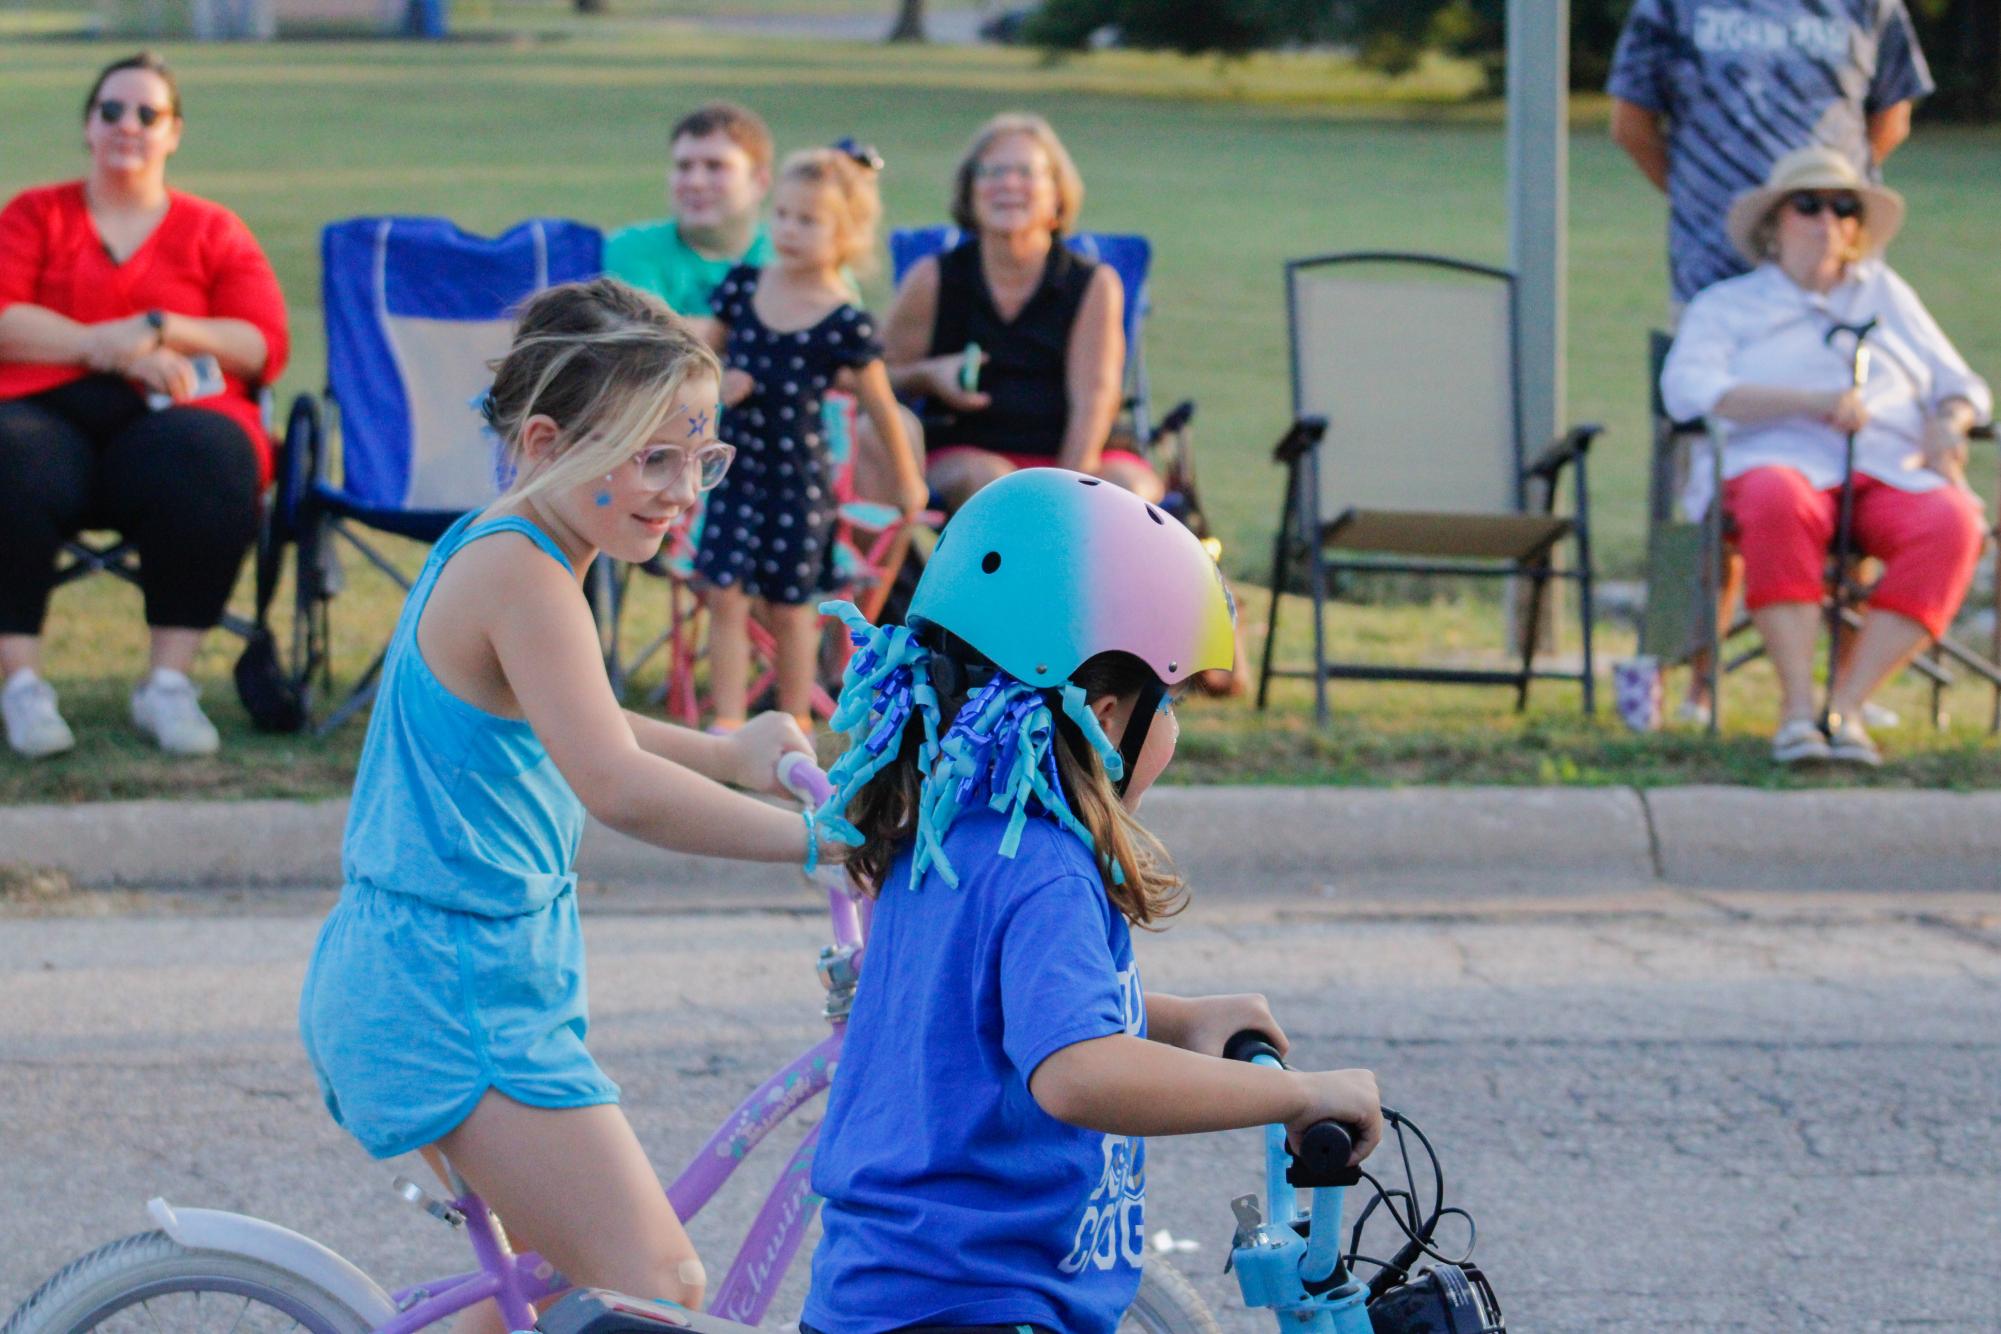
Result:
pixel 1668 1111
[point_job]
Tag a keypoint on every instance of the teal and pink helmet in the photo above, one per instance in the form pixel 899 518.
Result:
pixel 1046 568
pixel 1037 574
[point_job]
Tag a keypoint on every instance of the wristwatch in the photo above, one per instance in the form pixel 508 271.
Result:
pixel 156 320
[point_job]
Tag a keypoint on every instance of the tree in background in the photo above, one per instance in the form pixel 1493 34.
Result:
pixel 1961 38
pixel 1225 27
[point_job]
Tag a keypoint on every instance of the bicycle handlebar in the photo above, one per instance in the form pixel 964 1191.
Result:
pixel 802 778
pixel 1321 1157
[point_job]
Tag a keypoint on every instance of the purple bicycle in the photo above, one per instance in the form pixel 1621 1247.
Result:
pixel 204 1271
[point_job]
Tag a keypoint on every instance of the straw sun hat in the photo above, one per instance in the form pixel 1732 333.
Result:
pixel 1814 168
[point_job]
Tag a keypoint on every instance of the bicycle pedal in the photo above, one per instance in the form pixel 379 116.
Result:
pixel 412 1193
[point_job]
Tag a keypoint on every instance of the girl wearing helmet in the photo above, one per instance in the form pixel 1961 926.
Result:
pixel 982 1161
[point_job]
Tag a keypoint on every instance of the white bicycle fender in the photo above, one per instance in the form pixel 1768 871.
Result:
pixel 253 1238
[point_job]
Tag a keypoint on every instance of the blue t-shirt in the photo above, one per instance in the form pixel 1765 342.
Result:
pixel 951 1196
pixel 1743 83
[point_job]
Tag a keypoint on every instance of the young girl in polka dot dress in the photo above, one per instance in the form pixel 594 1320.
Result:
pixel 788 331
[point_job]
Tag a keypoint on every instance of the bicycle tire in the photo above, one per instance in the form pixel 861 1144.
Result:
pixel 93 1291
pixel 1167 1304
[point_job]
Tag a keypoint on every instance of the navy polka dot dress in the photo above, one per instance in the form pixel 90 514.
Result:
pixel 768 528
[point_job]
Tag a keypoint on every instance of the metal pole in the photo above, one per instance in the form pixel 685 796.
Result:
pixel 1538 204
pixel 1538 50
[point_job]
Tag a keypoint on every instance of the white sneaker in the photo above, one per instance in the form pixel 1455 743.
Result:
pixel 166 708
pixel 1799 741
pixel 34 728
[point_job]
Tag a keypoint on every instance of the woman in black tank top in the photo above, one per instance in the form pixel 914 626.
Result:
pixel 1048 324
pixel 1024 375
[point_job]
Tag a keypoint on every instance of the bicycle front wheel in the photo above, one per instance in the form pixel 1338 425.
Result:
pixel 1167 1304
pixel 151 1282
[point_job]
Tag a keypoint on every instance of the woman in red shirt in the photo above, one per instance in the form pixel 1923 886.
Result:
pixel 136 324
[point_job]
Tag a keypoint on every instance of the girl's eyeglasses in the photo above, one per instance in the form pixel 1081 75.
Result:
pixel 661 466
pixel 111 111
pixel 1808 204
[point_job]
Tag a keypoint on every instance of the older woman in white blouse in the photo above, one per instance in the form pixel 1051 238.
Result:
pixel 1754 354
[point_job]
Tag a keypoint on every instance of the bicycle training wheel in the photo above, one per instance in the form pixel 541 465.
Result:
pixel 1167 1304
pixel 151 1282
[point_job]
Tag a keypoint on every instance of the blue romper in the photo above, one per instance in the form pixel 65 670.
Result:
pixel 453 962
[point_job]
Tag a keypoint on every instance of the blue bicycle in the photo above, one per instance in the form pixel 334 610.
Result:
pixel 1293 1265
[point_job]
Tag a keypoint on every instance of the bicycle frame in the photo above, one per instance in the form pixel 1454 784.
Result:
pixel 515 1282
pixel 1278 1268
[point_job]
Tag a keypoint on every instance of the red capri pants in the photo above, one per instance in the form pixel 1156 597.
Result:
pixel 1928 541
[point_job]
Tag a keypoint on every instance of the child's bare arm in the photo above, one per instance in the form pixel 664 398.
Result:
pixel 873 392
pixel 1206 1023
pixel 1129 1086
pixel 547 649
pixel 747 758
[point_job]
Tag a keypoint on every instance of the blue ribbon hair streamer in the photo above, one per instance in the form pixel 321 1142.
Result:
pixel 1000 751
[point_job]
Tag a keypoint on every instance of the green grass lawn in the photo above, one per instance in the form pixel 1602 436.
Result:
pixel 1230 168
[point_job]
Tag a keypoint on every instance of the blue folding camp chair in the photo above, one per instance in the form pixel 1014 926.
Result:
pixel 416 310
pixel 1168 444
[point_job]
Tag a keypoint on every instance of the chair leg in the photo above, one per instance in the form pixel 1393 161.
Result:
pixel 1531 625
pixel 1280 557
pixel 1319 577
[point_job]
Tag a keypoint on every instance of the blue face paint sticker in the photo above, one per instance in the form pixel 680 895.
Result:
pixel 603 499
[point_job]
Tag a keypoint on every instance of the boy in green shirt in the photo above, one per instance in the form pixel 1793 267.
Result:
pixel 719 168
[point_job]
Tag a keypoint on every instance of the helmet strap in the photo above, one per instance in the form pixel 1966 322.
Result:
pixel 1137 726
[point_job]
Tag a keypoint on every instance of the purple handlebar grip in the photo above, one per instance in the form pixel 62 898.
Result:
pixel 801 777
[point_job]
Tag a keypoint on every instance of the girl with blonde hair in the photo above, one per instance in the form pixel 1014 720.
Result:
pixel 444 1008
pixel 790 332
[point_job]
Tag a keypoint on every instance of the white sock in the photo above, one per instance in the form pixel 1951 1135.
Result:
pixel 165 676
pixel 21 679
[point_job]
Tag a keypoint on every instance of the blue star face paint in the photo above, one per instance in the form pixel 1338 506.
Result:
pixel 603 498
pixel 698 423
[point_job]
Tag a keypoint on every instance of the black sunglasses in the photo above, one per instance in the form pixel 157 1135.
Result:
pixel 111 111
pixel 1808 204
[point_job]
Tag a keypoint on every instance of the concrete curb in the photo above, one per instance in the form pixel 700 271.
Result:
pixel 1275 841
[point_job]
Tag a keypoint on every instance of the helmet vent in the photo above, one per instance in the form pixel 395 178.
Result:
pixel 990 562
pixel 1154 514
pixel 1089 481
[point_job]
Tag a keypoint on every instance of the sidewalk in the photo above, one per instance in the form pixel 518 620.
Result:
pixel 1289 841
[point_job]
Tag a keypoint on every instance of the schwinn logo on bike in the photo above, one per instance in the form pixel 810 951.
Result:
pixel 1111 1230
pixel 756 1119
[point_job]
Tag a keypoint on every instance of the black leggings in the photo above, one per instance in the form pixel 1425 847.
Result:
pixel 179 484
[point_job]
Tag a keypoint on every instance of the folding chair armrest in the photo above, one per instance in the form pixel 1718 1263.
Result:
pixel 1177 419
pixel 1303 435
pixel 1566 449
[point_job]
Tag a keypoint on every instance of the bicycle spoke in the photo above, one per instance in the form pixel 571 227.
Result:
pixel 238 1322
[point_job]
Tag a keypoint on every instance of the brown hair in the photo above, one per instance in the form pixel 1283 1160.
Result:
pixel 853 185
pixel 601 359
pixel 886 808
pixel 152 63
pixel 1069 185
pixel 745 128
